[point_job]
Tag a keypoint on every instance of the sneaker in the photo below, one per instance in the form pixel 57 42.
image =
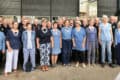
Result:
pixel 77 65
pixel 111 65
pixel 93 65
pixel 53 65
pixel 103 65
pixel 83 65
pixel 88 65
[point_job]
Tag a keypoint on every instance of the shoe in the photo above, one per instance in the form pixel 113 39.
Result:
pixel 53 65
pixel 93 65
pixel 43 68
pixel 88 65
pixel 103 65
pixel 77 65
pixel 46 68
pixel 64 64
pixel 111 65
pixel 68 64
pixel 5 74
pixel 15 71
pixel 83 65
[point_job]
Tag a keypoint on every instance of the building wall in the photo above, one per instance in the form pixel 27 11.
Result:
pixel 108 7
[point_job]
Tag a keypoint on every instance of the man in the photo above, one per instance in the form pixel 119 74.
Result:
pixel 113 21
pixel 1 24
pixel 35 25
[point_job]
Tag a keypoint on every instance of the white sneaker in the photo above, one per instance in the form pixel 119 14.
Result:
pixel 83 65
pixel 77 65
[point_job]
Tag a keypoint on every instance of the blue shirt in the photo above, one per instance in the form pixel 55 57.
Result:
pixel 91 34
pixel 2 41
pixel 14 39
pixel 105 34
pixel 117 36
pixel 66 33
pixel 79 37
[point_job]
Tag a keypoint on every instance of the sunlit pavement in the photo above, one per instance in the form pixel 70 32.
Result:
pixel 67 73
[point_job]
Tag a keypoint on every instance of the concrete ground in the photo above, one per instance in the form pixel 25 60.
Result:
pixel 67 73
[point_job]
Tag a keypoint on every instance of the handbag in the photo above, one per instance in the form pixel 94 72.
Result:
pixel 28 66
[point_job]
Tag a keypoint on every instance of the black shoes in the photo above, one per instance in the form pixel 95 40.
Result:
pixel 103 65
pixel 110 65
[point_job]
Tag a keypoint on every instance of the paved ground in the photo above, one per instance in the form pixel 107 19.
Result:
pixel 67 73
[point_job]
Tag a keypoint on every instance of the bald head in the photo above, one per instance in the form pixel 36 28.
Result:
pixel 36 21
pixel 112 19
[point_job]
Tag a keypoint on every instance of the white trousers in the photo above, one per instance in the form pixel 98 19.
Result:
pixel 11 60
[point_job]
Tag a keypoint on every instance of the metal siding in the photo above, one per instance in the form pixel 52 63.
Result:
pixel 39 7
pixel 10 7
pixel 108 7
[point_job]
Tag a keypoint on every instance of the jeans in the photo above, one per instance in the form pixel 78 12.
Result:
pixel 106 45
pixel 29 54
pixel 66 51
pixel 118 53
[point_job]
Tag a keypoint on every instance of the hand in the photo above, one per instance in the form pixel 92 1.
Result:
pixel 52 46
pixel 83 45
pixel 10 49
pixel 38 46
pixel 114 45
pixel 74 45
pixel 60 46
pixel 3 51
pixel 111 42
pixel 100 42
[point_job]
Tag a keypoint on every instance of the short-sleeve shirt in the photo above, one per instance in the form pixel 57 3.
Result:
pixel 105 32
pixel 44 35
pixel 79 37
pixel 66 33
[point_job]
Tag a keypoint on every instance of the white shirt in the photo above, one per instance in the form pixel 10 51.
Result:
pixel 91 28
pixel 29 41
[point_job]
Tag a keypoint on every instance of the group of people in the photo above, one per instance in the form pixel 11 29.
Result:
pixel 87 39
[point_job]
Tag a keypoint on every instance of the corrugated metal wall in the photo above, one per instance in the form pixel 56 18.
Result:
pixel 108 7
pixel 9 7
pixel 39 7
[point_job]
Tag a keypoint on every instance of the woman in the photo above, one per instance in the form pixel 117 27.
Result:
pixel 91 42
pixel 44 36
pixel 5 25
pixel 79 42
pixel 56 43
pixel 66 42
pixel 2 46
pixel 13 45
pixel 117 43
pixel 28 39
pixel 105 40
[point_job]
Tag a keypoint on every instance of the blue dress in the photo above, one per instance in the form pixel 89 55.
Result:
pixel 79 37
pixel 105 32
pixel 56 37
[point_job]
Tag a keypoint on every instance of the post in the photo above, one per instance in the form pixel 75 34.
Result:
pixel 21 6
pixel 118 9
pixel 50 10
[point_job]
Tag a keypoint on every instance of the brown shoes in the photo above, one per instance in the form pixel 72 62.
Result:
pixel 44 68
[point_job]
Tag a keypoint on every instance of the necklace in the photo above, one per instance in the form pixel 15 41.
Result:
pixel 44 30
